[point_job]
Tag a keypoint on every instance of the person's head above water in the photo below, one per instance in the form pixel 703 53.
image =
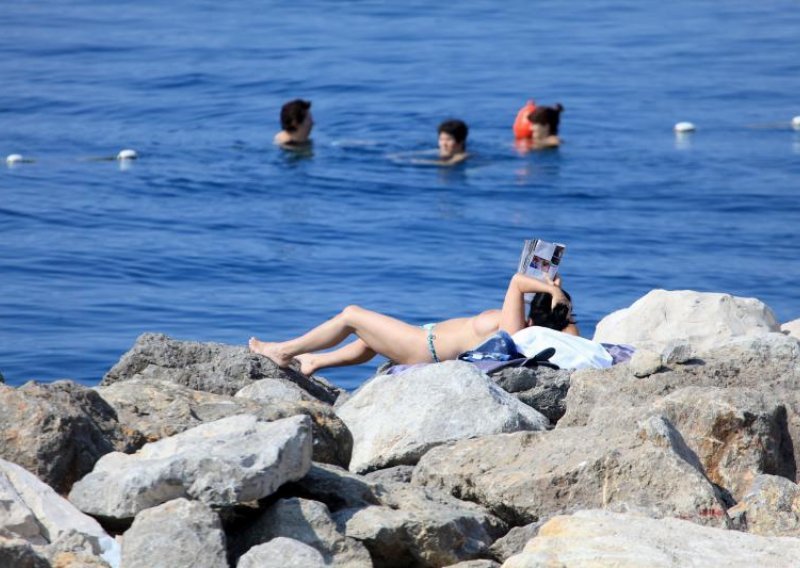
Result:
pixel 544 123
pixel 452 139
pixel 296 122
pixel 544 314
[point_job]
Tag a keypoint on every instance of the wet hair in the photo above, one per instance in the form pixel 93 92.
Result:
pixel 549 116
pixel 544 314
pixel 458 129
pixel 293 114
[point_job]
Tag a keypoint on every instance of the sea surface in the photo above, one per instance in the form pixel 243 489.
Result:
pixel 214 234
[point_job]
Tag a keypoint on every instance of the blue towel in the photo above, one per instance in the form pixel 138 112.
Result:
pixel 498 347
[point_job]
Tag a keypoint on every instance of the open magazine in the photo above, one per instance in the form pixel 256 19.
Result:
pixel 539 258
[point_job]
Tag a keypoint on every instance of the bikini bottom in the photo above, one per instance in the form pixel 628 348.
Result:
pixel 431 348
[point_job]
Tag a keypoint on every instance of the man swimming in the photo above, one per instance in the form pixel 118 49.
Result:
pixel 453 142
pixel 296 124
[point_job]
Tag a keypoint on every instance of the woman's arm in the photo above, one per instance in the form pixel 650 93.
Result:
pixel 512 317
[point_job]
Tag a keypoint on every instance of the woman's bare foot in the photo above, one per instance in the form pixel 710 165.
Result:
pixel 272 351
pixel 307 363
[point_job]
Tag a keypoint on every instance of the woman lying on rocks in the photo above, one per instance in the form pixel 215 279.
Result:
pixel 407 344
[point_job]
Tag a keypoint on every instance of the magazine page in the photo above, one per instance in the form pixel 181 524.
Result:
pixel 539 258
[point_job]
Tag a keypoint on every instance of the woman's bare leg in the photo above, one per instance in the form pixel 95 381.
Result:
pixel 388 336
pixel 353 353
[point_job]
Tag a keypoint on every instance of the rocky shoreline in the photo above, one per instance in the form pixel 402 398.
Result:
pixel 200 454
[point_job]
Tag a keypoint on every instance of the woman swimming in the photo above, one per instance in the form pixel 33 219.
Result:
pixel 536 127
pixel 403 343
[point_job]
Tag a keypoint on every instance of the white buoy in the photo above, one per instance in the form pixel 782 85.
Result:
pixel 796 122
pixel 127 155
pixel 12 159
pixel 684 127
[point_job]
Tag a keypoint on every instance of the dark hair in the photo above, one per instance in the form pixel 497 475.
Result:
pixel 543 314
pixel 458 129
pixel 549 116
pixel 293 114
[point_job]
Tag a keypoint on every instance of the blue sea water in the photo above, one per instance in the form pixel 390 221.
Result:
pixel 216 235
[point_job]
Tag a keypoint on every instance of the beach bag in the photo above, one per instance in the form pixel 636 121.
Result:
pixel 572 352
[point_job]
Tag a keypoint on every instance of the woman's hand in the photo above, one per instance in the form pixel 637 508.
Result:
pixel 558 294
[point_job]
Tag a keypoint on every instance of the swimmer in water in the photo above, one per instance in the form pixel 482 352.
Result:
pixel 544 124
pixel 452 142
pixel 296 124
pixel 539 129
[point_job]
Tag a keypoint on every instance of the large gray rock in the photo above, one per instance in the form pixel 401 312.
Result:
pixel 395 419
pixel 336 487
pixel 309 522
pixel 603 538
pixel 415 527
pixel 159 409
pixel 768 364
pixel 282 552
pixel 221 463
pixel 400 524
pixel 19 553
pixel 704 319
pixel 525 476
pixel 33 511
pixel 57 430
pixel 770 508
pixel 177 533
pixel 271 391
pixel 211 367
pixel 515 540
pixel 541 388
pixel 737 433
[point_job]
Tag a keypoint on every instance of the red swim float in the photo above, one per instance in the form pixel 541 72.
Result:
pixel 522 126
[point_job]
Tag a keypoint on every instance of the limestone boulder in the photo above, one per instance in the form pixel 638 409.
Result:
pixel 476 564
pixel 282 552
pixel 737 433
pixel 604 538
pixel 308 522
pixel 792 328
pixel 220 463
pixel 644 363
pixel 771 507
pixel 336 487
pixel 159 409
pixel 525 476
pixel 414 527
pixel 542 388
pixel 19 553
pixel 703 319
pixel 176 533
pixel 211 367
pixel 768 364
pixel 58 430
pixel 395 419
pixel 270 391
pixel 515 540
pixel 401 524
pixel 32 511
